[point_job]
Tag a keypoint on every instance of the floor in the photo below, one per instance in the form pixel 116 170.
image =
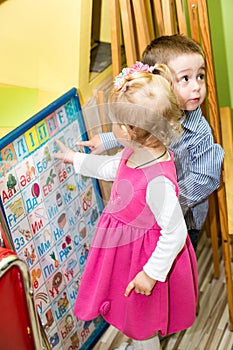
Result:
pixel 211 329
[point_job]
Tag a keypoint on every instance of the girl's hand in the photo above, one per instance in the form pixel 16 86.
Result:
pixel 142 284
pixel 65 154
pixel 94 144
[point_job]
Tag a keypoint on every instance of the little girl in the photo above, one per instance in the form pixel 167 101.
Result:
pixel 141 272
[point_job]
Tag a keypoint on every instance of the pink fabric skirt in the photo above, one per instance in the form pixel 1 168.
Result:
pixel 170 308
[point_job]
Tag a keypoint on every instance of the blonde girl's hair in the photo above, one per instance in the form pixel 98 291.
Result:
pixel 144 101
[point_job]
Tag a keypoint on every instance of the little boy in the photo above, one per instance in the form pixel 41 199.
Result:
pixel 198 159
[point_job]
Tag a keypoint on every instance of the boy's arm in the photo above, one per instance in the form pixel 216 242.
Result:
pixel 203 177
pixel 101 142
pixel 198 165
pixel 109 141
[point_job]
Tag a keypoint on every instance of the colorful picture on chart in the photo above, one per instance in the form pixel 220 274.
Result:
pixel 51 214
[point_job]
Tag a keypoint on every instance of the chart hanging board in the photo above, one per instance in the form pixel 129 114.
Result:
pixel 50 214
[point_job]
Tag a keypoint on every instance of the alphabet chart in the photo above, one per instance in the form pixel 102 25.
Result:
pixel 51 214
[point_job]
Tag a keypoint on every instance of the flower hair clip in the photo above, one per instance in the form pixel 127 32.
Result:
pixel 126 72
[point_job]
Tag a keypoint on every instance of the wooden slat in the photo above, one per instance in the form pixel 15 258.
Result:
pixel 213 228
pixel 101 98
pixel 193 17
pixel 102 112
pixel 214 119
pixel 128 31
pixel 195 33
pixel 149 14
pixel 115 36
pixel 142 25
pixel 181 17
pixel 227 141
pixel 159 16
pixel 168 17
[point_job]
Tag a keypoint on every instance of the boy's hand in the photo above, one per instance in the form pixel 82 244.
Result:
pixel 142 284
pixel 65 154
pixel 94 144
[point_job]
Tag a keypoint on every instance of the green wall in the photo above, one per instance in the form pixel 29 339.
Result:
pixel 220 18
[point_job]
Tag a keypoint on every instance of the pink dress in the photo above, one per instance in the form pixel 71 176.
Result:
pixel 124 240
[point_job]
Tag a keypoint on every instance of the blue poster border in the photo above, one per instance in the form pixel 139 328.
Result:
pixel 17 132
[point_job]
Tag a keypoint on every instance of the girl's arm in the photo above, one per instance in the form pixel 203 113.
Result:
pixel 101 167
pixel 163 202
pixel 97 166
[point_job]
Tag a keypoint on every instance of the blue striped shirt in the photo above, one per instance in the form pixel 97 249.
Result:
pixel 198 161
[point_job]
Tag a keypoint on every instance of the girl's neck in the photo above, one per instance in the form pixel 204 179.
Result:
pixel 144 156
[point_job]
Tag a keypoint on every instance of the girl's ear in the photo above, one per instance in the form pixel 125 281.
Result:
pixel 126 131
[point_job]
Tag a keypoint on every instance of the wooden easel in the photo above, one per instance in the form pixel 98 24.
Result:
pixel 142 21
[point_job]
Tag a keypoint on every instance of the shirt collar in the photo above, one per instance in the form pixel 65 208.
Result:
pixel 192 119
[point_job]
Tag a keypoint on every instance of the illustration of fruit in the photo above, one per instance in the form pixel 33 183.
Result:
pixel 66 244
pixel 68 239
pixel 88 195
pixel 35 190
pixel 70 187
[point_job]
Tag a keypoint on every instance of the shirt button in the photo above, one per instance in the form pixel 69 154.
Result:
pixel 105 307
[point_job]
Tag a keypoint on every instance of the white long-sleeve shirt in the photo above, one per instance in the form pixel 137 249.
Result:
pixel 198 161
pixel 164 205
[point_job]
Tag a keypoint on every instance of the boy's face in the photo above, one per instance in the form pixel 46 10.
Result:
pixel 188 72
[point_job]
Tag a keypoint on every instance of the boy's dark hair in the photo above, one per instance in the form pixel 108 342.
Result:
pixel 165 48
